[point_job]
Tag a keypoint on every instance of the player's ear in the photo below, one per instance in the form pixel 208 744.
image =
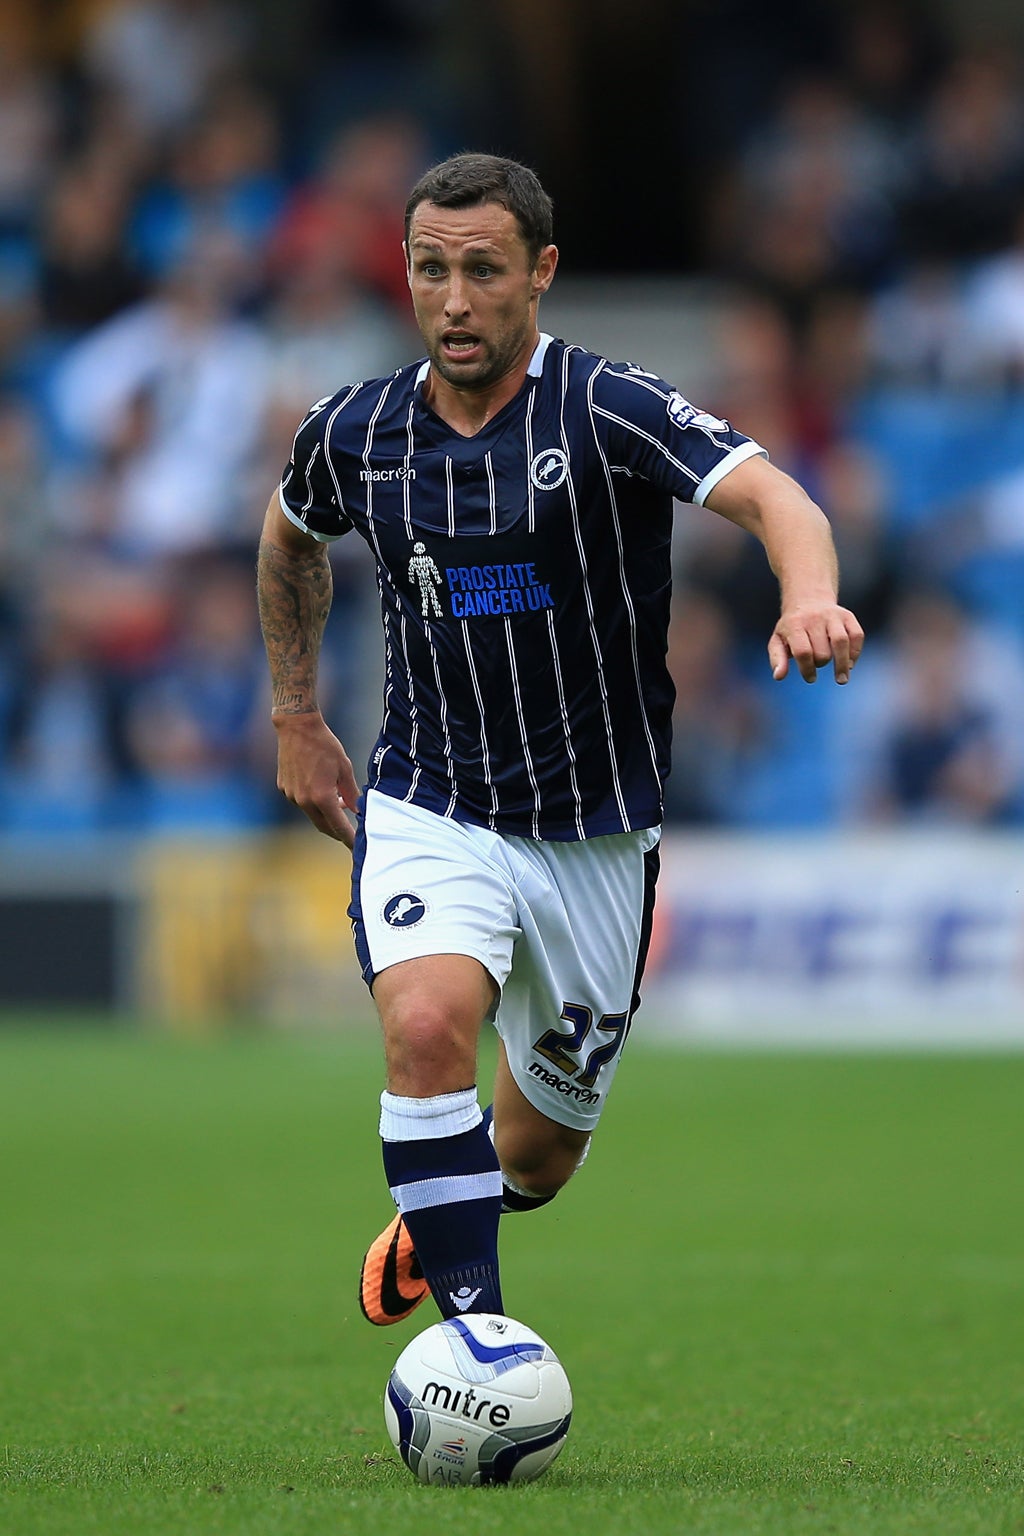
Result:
pixel 544 270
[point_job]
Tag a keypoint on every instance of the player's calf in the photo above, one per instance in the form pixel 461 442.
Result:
pixel 534 1169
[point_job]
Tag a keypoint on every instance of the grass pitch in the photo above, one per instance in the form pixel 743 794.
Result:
pixel 787 1289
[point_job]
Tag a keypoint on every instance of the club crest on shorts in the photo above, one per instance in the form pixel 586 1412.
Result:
pixel 404 910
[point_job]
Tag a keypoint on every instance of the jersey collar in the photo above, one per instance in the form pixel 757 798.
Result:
pixel 536 365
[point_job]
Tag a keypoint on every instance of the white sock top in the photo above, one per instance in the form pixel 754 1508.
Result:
pixel 446 1114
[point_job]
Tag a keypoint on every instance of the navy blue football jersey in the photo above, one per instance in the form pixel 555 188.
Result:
pixel 525 579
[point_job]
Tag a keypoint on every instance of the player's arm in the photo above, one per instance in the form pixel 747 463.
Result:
pixel 812 629
pixel 295 589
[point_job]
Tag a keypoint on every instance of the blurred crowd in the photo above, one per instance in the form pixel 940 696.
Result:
pixel 192 250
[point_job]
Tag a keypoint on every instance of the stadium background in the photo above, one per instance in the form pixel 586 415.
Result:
pixel 809 217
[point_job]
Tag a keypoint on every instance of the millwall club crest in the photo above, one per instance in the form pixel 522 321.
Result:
pixel 549 469
pixel 404 910
pixel 423 573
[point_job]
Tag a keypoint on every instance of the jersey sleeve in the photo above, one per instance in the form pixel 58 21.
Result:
pixel 653 431
pixel 309 496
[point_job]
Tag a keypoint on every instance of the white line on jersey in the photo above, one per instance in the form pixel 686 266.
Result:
pixel 522 727
pixel 566 729
pixel 483 731
pixel 631 426
pixel 623 582
pixel 595 642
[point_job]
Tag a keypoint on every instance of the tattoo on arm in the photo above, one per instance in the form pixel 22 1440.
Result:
pixel 295 591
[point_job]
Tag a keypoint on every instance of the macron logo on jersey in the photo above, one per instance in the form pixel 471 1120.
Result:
pixel 376 476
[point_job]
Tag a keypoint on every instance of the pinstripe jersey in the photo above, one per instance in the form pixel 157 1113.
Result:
pixel 524 577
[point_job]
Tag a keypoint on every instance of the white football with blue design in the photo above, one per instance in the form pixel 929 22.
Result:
pixel 478 1399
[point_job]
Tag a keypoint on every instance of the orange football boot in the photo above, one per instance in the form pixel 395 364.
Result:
pixel 391 1284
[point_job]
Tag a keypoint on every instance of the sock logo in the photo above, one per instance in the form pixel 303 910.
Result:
pixel 404 910
pixel 464 1298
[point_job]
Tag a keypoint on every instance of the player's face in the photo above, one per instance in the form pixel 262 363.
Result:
pixel 475 291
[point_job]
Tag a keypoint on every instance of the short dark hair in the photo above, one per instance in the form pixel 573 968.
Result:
pixel 465 180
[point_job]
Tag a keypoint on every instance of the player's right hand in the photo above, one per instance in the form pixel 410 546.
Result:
pixel 314 773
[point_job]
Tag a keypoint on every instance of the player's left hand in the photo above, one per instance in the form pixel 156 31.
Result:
pixel 813 636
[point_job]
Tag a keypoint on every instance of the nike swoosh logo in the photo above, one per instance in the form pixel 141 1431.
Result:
pixel 392 1299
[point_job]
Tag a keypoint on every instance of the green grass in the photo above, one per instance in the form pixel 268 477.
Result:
pixel 789 1292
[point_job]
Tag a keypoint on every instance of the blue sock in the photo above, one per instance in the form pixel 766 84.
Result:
pixel 512 1197
pixel 445 1180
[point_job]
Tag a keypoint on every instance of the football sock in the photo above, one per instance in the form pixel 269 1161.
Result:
pixel 444 1177
pixel 513 1198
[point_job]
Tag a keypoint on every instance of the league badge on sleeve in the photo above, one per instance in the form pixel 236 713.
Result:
pixel 683 414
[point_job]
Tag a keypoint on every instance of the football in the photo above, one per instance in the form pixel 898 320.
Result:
pixel 478 1399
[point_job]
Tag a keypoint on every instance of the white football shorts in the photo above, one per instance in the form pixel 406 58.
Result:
pixel 562 927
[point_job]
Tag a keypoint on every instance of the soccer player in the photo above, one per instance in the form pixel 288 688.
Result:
pixel 516 494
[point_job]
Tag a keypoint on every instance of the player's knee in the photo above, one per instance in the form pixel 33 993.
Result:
pixel 431 1010
pixel 429 1051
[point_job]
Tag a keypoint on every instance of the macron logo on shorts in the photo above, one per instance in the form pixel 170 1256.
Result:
pixel 404 910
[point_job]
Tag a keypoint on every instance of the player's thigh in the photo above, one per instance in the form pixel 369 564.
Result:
pixel 565 1009
pixel 424 885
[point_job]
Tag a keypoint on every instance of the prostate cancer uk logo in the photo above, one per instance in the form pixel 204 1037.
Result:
pixel 508 588
pixel 475 590
pixel 549 469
